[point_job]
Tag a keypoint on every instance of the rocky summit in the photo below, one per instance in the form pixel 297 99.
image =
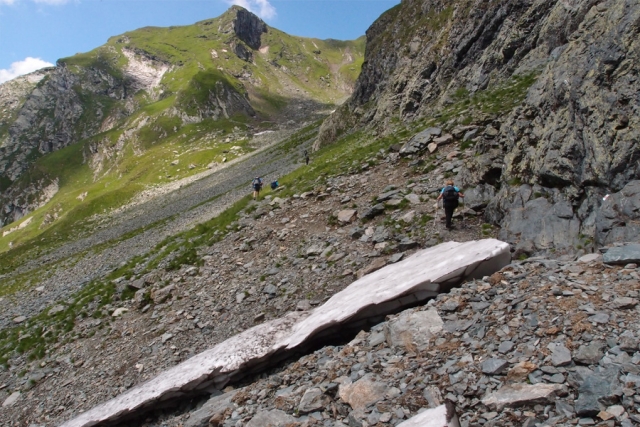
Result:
pixel 143 285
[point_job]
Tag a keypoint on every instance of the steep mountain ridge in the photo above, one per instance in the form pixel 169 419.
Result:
pixel 216 82
pixel 549 152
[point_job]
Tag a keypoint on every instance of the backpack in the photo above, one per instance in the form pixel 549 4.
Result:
pixel 450 194
pixel 257 184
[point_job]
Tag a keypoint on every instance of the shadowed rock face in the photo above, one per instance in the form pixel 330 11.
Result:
pixel 249 28
pixel 421 276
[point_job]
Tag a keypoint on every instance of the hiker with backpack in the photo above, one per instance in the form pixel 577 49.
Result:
pixel 306 157
pixel 449 195
pixel 257 186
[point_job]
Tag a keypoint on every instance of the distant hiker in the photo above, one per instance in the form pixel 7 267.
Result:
pixel 306 157
pixel 274 184
pixel 257 186
pixel 449 195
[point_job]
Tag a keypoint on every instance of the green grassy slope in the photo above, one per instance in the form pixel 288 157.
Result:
pixel 179 129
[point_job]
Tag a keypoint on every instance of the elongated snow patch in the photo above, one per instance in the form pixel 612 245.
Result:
pixel 418 278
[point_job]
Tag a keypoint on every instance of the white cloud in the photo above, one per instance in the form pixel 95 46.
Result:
pixel 20 68
pixel 7 1
pixel 262 8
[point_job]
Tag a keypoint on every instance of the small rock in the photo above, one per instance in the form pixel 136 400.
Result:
pixel 589 354
pixel 119 312
pixel 56 309
pixel 408 217
pixel 521 371
pixel 494 366
pixel 312 400
pixel 595 391
pixel 395 258
pixel 590 258
pixel 363 392
pixel 412 198
pixel 303 305
pixel 505 347
pixel 600 317
pixel 624 303
pixel 374 211
pixel 628 342
pixel 356 232
pixel 622 255
pixel 515 395
pixel 413 329
pixel 11 400
pixel 560 355
pixel 451 305
pixel 346 216
pixel 406 244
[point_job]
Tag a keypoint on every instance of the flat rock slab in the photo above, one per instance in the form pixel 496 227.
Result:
pixel 514 395
pixel 622 254
pixel 442 416
pixel 494 366
pixel 415 279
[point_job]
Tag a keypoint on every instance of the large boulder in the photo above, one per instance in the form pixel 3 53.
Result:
pixel 419 142
pixel 544 222
pixel 618 217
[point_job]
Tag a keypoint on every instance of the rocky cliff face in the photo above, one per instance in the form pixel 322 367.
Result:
pixel 54 115
pixel 249 28
pixel 550 159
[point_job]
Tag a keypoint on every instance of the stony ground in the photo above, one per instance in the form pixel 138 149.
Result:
pixel 568 328
pixel 540 343
pixel 289 254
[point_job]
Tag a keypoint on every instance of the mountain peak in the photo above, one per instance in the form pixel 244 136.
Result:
pixel 248 26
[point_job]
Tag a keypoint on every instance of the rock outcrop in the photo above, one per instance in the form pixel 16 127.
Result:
pixel 249 28
pixel 552 158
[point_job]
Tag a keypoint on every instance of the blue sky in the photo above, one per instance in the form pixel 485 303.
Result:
pixel 35 33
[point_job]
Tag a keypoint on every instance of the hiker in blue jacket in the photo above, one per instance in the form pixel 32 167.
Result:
pixel 449 195
pixel 257 186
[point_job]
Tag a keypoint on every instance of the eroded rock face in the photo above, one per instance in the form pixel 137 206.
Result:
pixel 415 279
pixel 47 121
pixel 574 147
pixel 249 28
pixel 572 141
pixel 416 50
